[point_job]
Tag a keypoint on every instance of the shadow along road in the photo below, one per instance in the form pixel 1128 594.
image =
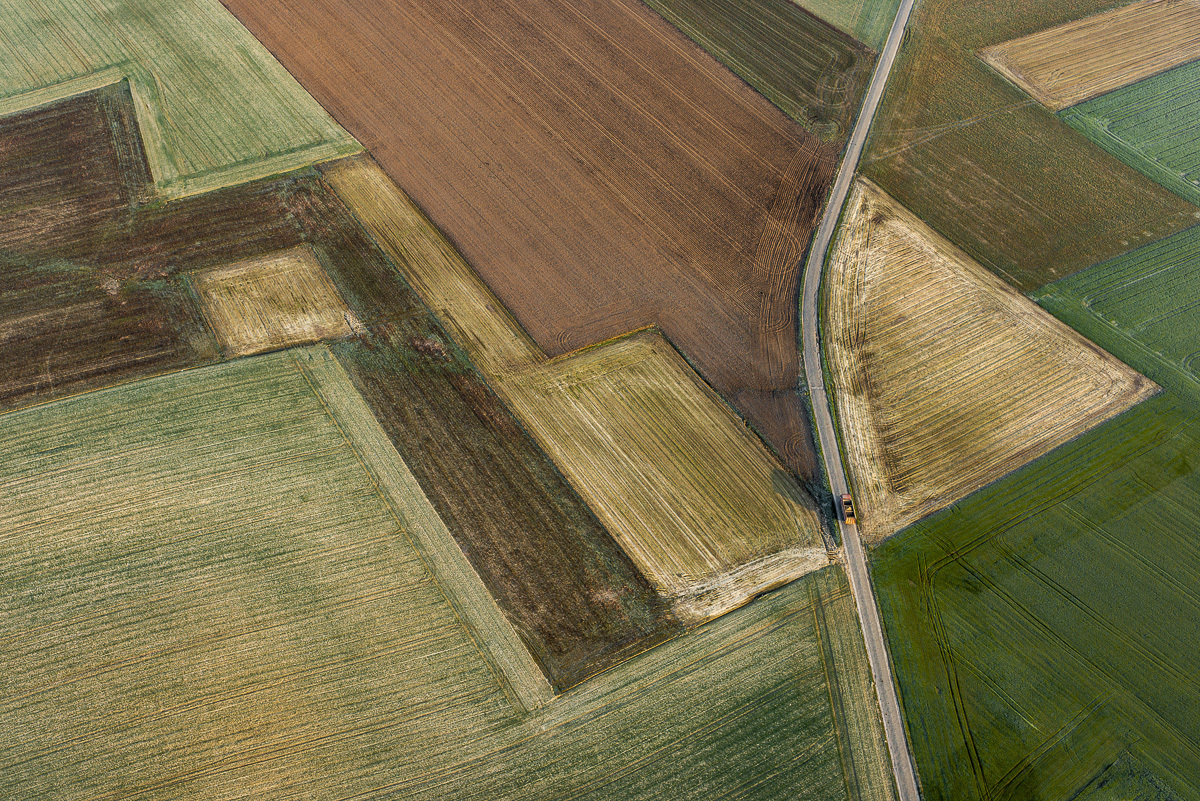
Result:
pixel 856 563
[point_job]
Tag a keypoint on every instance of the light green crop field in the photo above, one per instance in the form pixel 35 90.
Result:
pixel 214 106
pixel 1046 630
pixel 1142 307
pixel 868 21
pixel 224 583
pixel 1153 126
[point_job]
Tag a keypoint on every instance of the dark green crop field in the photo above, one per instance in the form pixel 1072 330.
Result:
pixel 1046 631
pixel 1153 126
pixel 992 170
pixel 814 73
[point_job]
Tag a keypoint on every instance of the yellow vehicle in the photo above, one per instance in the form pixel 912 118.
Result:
pixel 848 510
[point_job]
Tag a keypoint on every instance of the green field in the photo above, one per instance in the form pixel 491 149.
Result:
pixel 990 169
pixel 223 582
pixel 813 73
pixel 1153 126
pixel 868 21
pixel 1045 630
pixel 1142 307
pixel 214 107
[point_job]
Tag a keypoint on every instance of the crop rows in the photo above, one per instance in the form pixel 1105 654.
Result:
pixel 1085 58
pixel 1043 630
pixel 946 377
pixel 991 170
pixel 696 500
pixel 1151 126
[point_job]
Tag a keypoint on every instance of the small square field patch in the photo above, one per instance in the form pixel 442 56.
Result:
pixel 273 302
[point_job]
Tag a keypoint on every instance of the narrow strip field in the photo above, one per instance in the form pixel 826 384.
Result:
pixel 1044 630
pixel 946 378
pixel 696 500
pixel 1153 126
pixel 1084 58
pixel 600 171
pixel 207 120
pixel 992 170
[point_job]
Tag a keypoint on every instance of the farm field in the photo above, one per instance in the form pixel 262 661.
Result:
pixel 814 73
pixel 923 343
pixel 175 631
pixel 1084 58
pixel 868 21
pixel 993 171
pixel 206 120
pixel 1151 126
pixel 1140 306
pixel 697 502
pixel 123 277
pixel 555 147
pixel 273 302
pixel 1043 630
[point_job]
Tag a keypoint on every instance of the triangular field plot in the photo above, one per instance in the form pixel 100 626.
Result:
pixel 946 377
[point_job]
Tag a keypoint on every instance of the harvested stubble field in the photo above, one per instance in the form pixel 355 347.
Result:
pixel 1084 58
pixel 273 302
pixel 814 73
pixel 992 170
pixel 207 119
pixel 694 498
pixel 947 378
pixel 120 274
pixel 600 171
pixel 1044 631
pixel 1153 126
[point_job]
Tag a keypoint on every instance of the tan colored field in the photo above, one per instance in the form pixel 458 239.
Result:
pixel 947 378
pixel 272 302
pixel 1070 63
pixel 696 500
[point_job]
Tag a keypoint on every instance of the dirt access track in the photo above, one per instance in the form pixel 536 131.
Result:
pixel 599 170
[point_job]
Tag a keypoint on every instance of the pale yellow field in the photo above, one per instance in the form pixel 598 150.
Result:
pixel 1070 63
pixel 694 497
pixel 272 302
pixel 946 378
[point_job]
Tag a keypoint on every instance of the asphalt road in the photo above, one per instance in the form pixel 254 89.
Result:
pixel 856 562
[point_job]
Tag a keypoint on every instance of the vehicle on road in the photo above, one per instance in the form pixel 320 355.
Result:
pixel 848 510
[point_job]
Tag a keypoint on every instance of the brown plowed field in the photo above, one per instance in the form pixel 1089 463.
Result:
pixel 599 170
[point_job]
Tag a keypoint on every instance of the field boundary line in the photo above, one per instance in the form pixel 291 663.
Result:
pixel 490 629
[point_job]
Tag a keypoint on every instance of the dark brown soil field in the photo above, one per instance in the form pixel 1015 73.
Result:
pixel 597 168
pixel 94 291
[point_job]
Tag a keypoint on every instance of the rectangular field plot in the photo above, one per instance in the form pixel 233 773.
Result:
pixel 207 593
pixel 1079 60
pixel 1044 631
pixel 207 119
pixel 271 302
pixel 1153 126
